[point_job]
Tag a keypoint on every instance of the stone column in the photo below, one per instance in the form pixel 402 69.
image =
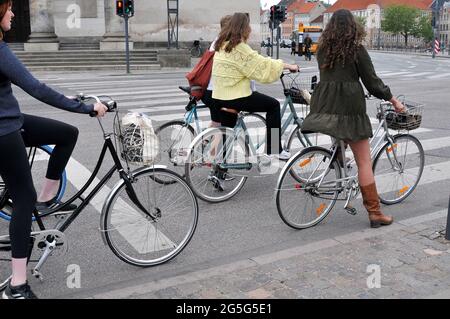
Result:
pixel 114 38
pixel 43 37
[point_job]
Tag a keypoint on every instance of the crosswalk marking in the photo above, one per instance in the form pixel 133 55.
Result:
pixel 439 76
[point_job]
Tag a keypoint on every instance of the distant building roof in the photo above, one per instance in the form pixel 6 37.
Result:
pixel 319 19
pixel 302 7
pixel 353 5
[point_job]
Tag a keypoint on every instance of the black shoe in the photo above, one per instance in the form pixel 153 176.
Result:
pixel 52 204
pixel 19 292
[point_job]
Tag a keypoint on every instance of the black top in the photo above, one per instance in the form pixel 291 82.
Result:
pixel 13 71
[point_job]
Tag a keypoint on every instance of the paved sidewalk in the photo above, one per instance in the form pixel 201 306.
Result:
pixel 410 259
pixel 441 55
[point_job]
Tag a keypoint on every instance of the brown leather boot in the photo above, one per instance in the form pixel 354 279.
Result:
pixel 371 202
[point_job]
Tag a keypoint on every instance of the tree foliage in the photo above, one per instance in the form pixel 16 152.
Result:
pixel 407 21
pixel 361 20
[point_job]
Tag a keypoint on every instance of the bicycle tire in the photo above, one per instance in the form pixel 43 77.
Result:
pixel 169 155
pixel 165 246
pixel 403 190
pixel 38 172
pixel 257 128
pixel 297 136
pixel 196 52
pixel 286 184
pixel 203 183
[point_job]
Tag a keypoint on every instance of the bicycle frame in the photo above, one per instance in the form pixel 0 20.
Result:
pixel 375 143
pixel 292 118
pixel 192 116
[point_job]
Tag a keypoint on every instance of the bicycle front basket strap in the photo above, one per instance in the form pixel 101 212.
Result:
pixel 140 145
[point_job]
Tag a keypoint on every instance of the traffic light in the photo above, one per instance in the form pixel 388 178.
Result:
pixel 281 13
pixel 129 8
pixel 272 13
pixel 119 8
pixel 278 14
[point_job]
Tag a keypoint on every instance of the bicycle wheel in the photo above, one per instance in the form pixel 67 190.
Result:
pixel 305 203
pixel 38 157
pixel 175 138
pixel 196 52
pixel 256 128
pixel 297 141
pixel 205 171
pixel 138 239
pixel 397 177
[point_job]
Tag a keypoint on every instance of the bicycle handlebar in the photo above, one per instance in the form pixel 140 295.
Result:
pixel 287 72
pixel 111 104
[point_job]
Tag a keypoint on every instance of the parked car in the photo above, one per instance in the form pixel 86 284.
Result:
pixel 286 43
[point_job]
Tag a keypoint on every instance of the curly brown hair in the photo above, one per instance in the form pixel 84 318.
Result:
pixel 237 30
pixel 4 6
pixel 341 39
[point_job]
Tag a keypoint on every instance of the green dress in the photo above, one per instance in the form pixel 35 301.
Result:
pixel 338 104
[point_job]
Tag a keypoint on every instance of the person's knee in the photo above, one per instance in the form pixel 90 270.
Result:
pixel 71 134
pixel 26 199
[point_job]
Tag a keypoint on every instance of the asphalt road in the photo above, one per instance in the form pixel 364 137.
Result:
pixel 247 225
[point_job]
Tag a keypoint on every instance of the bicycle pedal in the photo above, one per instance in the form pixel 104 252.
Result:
pixel 38 275
pixel 351 210
pixel 216 183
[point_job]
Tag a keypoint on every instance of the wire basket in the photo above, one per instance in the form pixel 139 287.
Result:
pixel 301 89
pixel 408 121
pixel 137 141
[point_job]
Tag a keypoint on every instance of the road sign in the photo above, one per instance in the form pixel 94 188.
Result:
pixel 437 46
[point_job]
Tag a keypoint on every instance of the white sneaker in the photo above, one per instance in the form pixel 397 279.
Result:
pixel 284 155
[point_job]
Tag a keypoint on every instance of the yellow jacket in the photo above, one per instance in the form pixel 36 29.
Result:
pixel 233 71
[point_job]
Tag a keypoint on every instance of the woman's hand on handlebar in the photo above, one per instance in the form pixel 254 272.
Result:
pixel 292 67
pixel 100 109
pixel 399 107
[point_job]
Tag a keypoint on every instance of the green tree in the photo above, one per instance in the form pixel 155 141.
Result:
pixel 361 20
pixel 424 29
pixel 401 19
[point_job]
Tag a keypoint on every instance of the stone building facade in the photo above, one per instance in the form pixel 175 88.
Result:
pixel 43 24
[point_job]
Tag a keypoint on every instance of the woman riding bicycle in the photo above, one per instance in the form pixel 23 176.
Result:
pixel 235 65
pixel 338 106
pixel 18 131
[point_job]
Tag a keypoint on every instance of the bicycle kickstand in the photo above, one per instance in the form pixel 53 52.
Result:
pixel 348 207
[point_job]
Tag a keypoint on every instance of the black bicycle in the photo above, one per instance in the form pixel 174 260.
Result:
pixel 144 222
pixel 196 49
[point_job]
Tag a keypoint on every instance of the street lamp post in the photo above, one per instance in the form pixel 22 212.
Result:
pixel 379 26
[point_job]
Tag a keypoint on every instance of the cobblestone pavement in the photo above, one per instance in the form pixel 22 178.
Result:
pixel 410 259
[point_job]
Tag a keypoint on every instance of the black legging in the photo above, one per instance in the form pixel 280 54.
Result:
pixel 257 102
pixel 15 171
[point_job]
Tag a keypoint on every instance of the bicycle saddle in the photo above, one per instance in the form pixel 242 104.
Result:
pixel 190 89
pixel 186 89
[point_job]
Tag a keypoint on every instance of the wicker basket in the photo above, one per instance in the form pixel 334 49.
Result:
pixel 408 121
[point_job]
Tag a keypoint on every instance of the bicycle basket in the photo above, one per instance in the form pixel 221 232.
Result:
pixel 408 121
pixel 138 143
pixel 301 89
